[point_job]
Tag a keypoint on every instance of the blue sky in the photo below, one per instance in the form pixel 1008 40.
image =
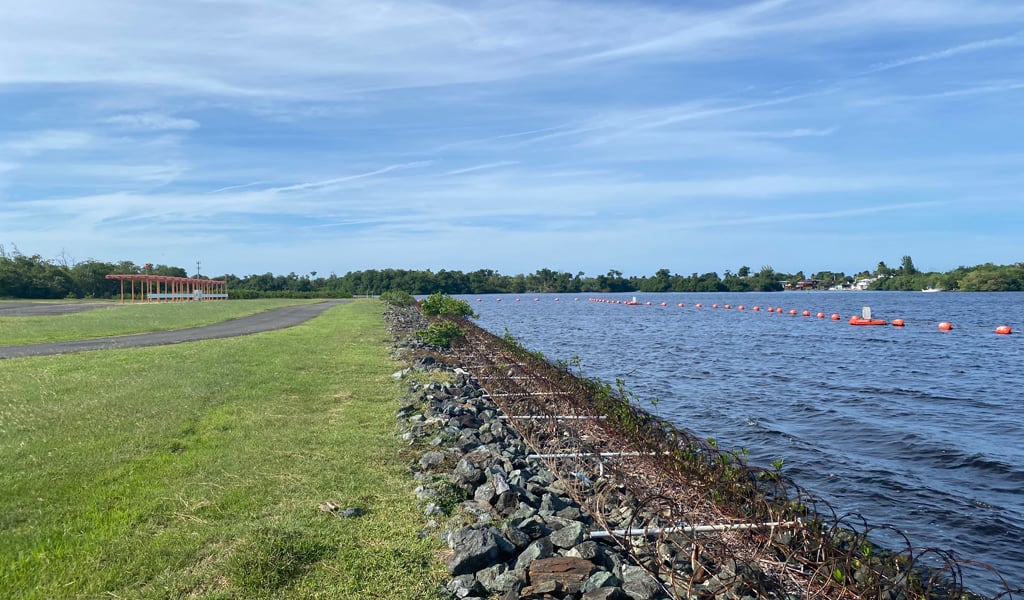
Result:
pixel 327 135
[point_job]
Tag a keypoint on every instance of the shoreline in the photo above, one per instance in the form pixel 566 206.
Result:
pixel 855 562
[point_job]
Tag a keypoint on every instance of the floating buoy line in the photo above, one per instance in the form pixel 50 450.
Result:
pixel 864 319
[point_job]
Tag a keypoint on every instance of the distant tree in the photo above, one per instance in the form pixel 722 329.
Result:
pixel 907 266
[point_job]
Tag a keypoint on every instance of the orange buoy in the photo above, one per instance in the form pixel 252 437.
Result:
pixel 517 299
pixel 740 307
pixel 836 317
pixel 1004 330
pixel 648 303
pixel 792 311
pixel 778 310
pixel 756 308
pixel 479 300
pixel 898 323
pixel 821 315
pixel 557 300
pixel 728 306
pixel 945 326
pixel 498 300
pixel 664 303
pixel 806 313
pixel 681 305
pixel 698 305
pixel 714 306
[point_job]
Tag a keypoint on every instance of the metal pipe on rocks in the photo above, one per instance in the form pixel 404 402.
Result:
pixel 691 529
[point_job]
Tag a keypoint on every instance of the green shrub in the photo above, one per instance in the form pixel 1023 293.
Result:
pixel 397 298
pixel 443 305
pixel 440 334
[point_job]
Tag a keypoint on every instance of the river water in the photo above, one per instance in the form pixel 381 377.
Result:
pixel 912 427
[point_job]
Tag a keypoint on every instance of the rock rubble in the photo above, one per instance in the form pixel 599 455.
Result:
pixel 512 530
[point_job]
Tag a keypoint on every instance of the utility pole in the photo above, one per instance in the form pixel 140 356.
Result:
pixel 197 267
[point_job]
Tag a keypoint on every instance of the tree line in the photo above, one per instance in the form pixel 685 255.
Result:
pixel 24 276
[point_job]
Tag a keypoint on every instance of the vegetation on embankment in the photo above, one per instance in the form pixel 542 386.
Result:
pixel 33 276
pixel 125 319
pixel 201 470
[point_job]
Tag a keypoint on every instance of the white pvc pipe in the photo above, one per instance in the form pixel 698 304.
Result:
pixel 530 394
pixel 693 529
pixel 579 454
pixel 562 417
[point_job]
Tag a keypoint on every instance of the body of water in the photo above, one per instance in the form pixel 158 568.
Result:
pixel 912 427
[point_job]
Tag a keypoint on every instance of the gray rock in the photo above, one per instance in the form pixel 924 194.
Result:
pixel 431 459
pixel 466 475
pixel 485 494
pixel 488 576
pixel 517 536
pixel 550 504
pixel 507 503
pixel 600 579
pixel 480 512
pixel 605 593
pixel 568 536
pixel 500 484
pixel 537 550
pixel 465 586
pixel 500 578
pixel 424 493
pixel 476 549
pixel 534 527
pixel 638 583
pixel 587 549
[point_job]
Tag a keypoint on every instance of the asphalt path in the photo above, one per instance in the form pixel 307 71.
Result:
pixel 46 309
pixel 278 318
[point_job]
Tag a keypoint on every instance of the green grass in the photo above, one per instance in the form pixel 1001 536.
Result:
pixel 195 470
pixel 123 319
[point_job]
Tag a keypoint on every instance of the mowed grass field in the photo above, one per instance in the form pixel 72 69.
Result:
pixel 196 470
pixel 124 319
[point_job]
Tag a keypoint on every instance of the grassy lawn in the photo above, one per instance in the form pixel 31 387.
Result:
pixel 122 319
pixel 196 470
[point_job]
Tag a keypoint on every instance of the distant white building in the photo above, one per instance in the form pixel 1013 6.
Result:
pixel 863 284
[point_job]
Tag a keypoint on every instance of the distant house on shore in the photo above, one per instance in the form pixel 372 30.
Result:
pixel 863 284
pixel 804 284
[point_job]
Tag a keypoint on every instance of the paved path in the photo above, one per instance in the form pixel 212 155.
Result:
pixel 46 309
pixel 278 318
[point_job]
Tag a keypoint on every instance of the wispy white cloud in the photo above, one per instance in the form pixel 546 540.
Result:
pixel 1000 42
pixel 974 89
pixel 493 165
pixel 794 133
pixel 337 180
pixel 150 121
pixel 828 215
pixel 51 139
pixel 240 186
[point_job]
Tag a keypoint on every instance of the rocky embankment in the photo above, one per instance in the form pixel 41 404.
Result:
pixel 512 528
pixel 515 530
